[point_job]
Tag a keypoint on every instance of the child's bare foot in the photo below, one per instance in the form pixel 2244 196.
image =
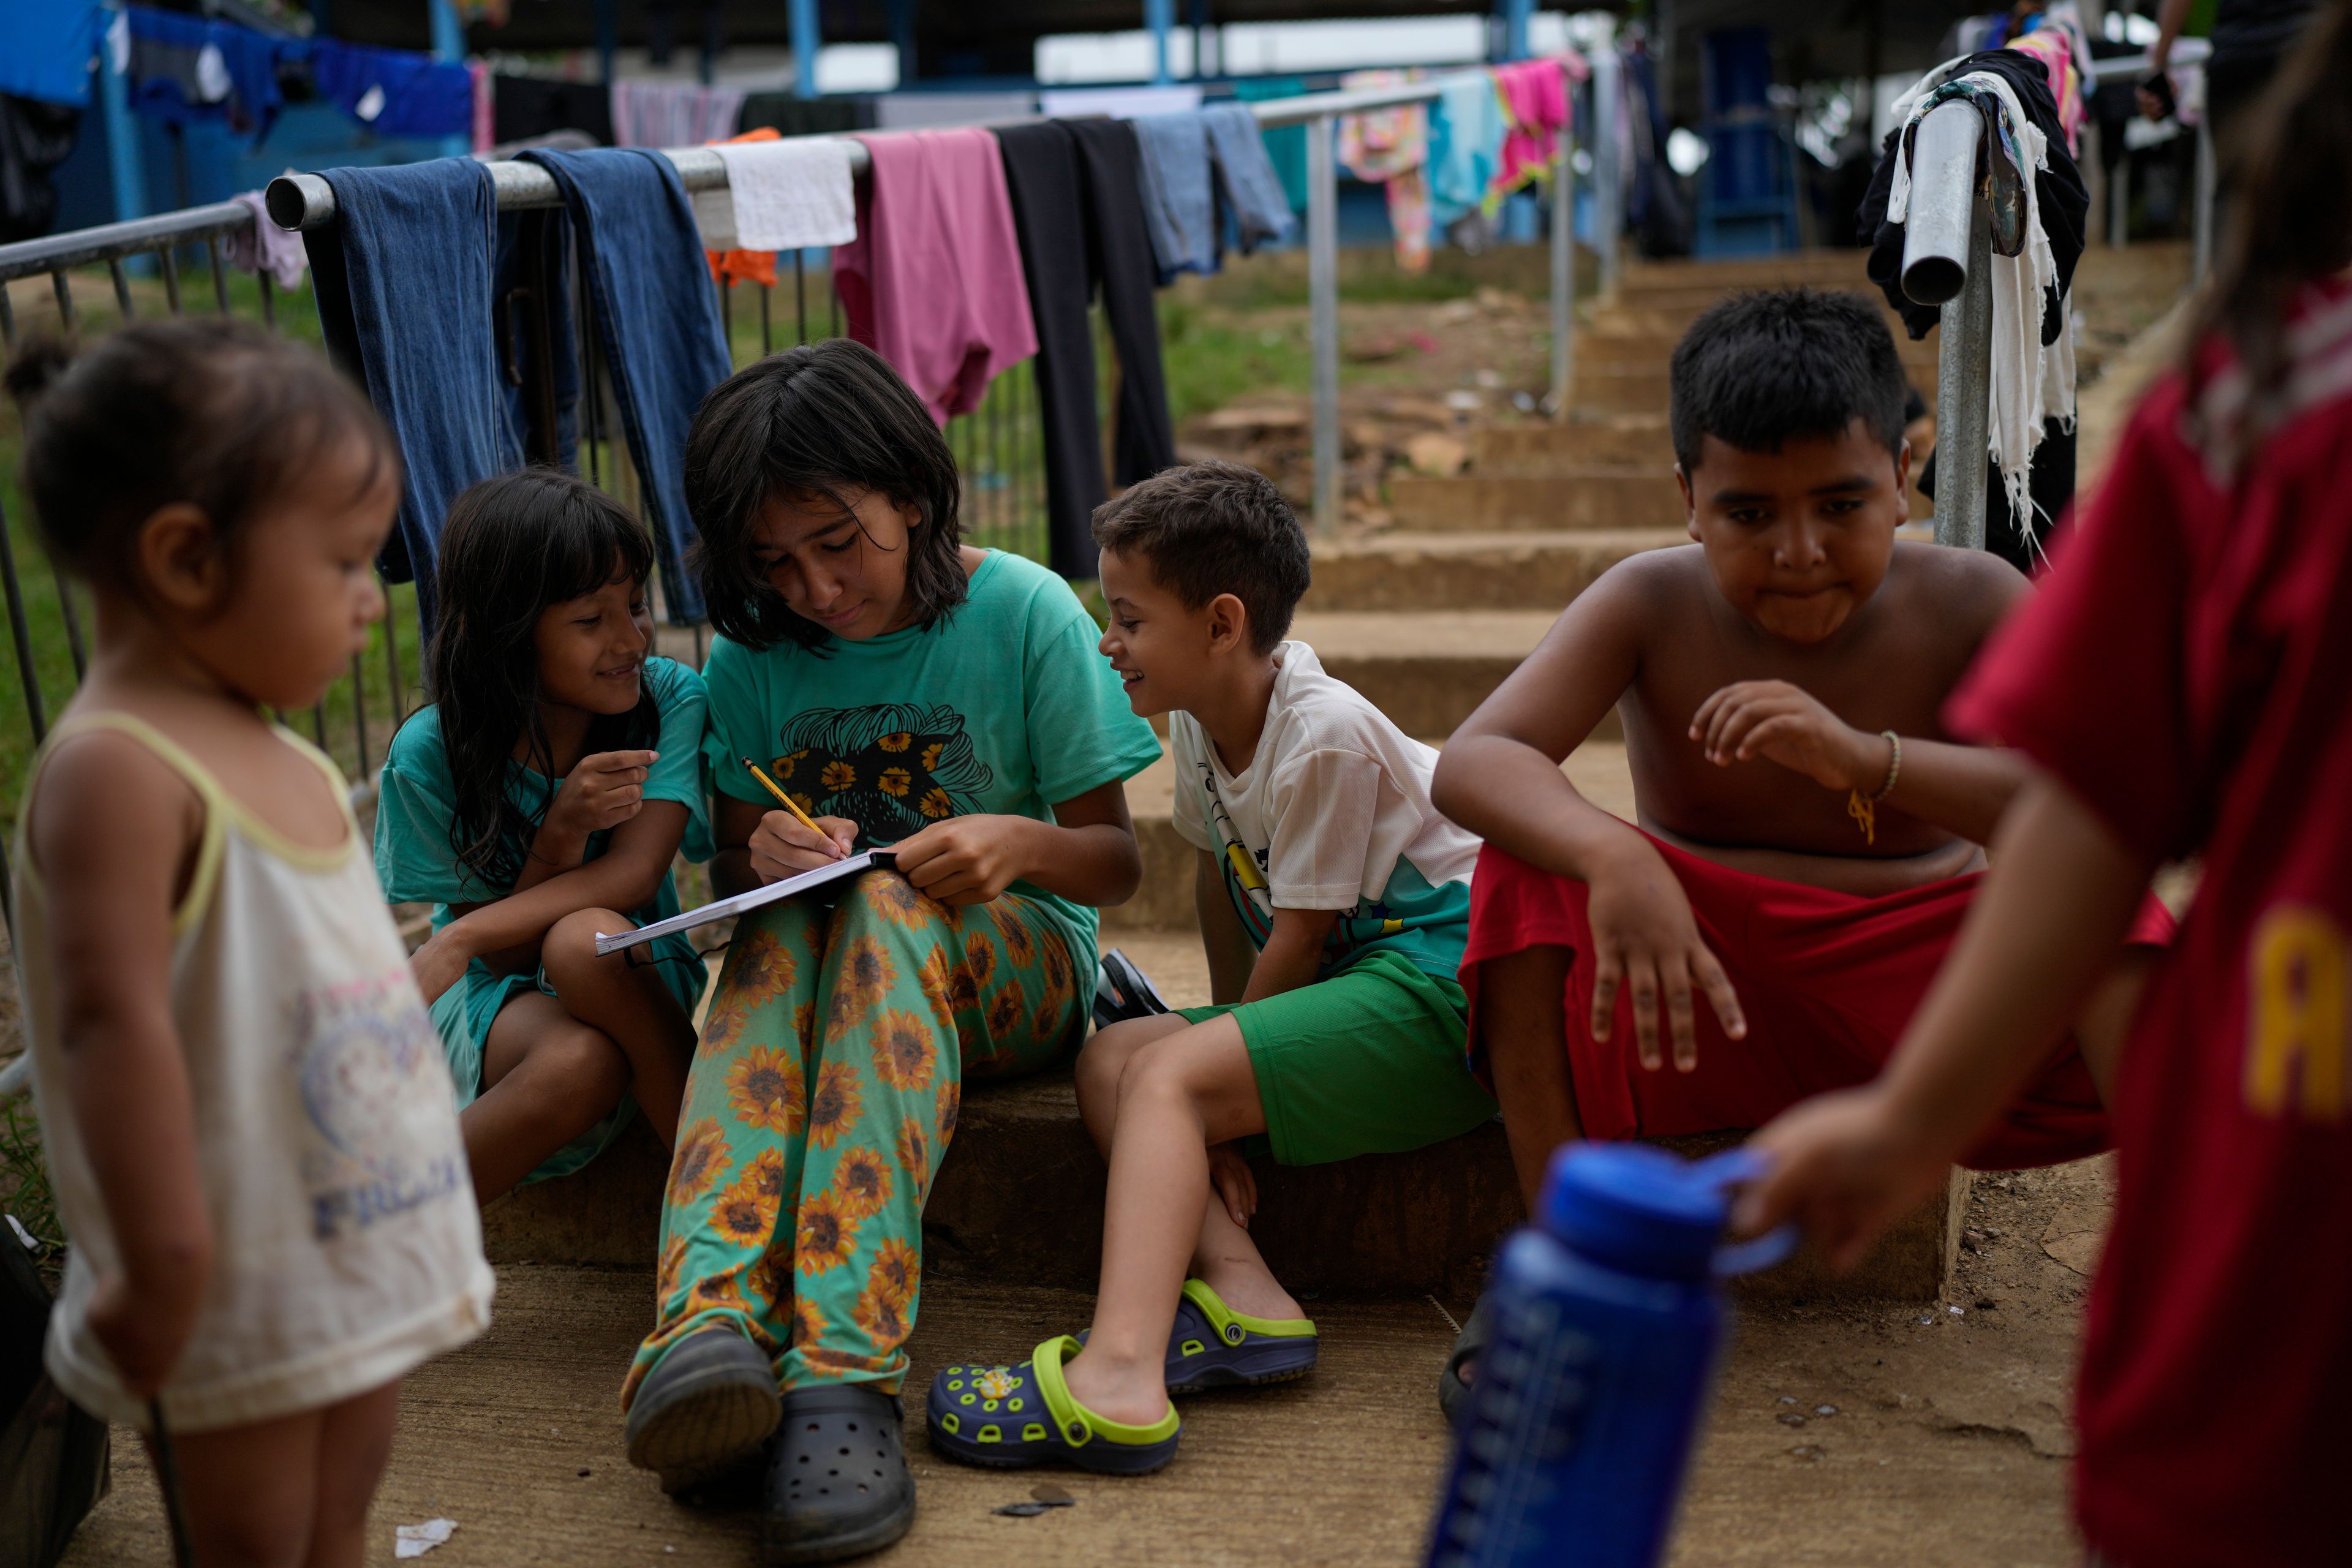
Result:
pixel 1129 1389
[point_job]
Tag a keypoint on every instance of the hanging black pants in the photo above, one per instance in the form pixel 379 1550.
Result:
pixel 1077 207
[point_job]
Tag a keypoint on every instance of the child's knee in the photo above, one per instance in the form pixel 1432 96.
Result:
pixel 1106 1054
pixel 568 952
pixel 585 1067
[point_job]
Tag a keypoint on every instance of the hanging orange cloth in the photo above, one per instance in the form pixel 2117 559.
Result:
pixel 745 266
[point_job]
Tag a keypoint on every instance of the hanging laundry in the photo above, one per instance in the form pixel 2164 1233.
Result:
pixel 35 138
pixel 1533 94
pixel 789 114
pixel 525 106
pixel 402 279
pixel 45 50
pixel 2037 242
pixel 1391 147
pixel 933 280
pixel 673 113
pixel 394 92
pixel 266 247
pixel 532 295
pixel 2059 42
pixel 939 111
pixel 485 122
pixel 1286 145
pixel 1467 126
pixel 1074 188
pixel 656 318
pixel 185 68
pixel 1189 159
pixel 779 195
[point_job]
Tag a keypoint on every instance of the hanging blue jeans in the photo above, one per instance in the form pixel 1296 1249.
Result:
pixel 658 324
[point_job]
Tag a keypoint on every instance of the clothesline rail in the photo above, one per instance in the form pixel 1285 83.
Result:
pixel 307 201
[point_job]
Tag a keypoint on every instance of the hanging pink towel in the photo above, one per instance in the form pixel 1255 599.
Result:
pixel 933 280
pixel 1535 99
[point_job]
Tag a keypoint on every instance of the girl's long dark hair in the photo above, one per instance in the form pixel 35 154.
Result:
pixel 826 420
pixel 512 547
pixel 2290 223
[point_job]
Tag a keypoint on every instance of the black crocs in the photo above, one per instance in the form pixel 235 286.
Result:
pixel 838 1480
pixel 704 1408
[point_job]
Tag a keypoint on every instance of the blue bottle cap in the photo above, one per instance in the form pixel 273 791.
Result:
pixel 1635 1208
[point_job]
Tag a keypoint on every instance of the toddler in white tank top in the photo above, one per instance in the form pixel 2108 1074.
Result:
pixel 244 1107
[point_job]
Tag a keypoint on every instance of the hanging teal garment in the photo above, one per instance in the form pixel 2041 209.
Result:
pixel 1465 142
pixel 1287 146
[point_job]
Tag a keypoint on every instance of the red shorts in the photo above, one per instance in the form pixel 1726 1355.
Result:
pixel 1828 982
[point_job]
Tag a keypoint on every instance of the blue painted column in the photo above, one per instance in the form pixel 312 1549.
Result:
pixel 121 126
pixel 805 44
pixel 1160 17
pixel 449 45
pixel 1514 14
pixel 902 35
pixel 608 38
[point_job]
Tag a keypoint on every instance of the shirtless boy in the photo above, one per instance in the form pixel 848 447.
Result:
pixel 1809 835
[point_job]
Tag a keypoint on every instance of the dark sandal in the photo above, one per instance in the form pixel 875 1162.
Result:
pixel 1010 1417
pixel 1213 1346
pixel 837 1480
pixel 706 1407
pixel 1453 1393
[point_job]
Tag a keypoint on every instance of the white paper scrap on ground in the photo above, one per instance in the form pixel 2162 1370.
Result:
pixel 416 1539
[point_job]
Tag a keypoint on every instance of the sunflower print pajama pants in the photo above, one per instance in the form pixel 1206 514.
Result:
pixel 821 1099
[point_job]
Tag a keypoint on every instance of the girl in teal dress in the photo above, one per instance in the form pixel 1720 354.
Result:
pixel 907 690
pixel 538 801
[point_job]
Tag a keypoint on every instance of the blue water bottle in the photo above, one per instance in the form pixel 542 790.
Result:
pixel 1608 1316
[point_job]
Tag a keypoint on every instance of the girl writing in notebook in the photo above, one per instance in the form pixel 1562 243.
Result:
pixel 907 690
pixel 253 1141
pixel 547 788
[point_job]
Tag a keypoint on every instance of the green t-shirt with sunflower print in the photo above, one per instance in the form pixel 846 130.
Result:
pixel 1003 706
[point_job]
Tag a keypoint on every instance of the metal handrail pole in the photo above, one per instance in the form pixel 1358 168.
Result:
pixel 1964 396
pixel 116 242
pixel 2203 229
pixel 1608 178
pixel 1323 315
pixel 1563 257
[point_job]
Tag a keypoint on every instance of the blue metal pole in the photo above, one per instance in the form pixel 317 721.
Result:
pixel 122 127
pixel 608 38
pixel 449 45
pixel 1160 16
pixel 1514 14
pixel 902 33
pixel 805 44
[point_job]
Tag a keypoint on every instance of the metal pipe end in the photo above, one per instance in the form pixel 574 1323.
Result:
pixel 300 202
pixel 1932 279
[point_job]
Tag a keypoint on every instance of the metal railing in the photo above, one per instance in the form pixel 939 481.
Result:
pixel 2184 52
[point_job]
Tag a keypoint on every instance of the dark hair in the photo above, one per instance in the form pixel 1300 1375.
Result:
pixel 822 421
pixel 2289 224
pixel 221 415
pixel 1214 528
pixel 1765 368
pixel 512 547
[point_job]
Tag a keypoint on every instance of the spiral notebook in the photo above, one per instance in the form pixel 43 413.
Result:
pixel 758 897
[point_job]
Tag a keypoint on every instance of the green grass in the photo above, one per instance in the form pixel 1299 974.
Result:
pixel 25 1190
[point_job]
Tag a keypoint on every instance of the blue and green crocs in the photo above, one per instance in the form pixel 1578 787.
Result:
pixel 1213 1346
pixel 1012 1416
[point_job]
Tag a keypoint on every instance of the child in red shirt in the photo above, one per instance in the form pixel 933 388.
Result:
pixel 2184 679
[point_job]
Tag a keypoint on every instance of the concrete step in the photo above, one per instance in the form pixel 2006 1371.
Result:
pixel 1491 570
pixel 1621 441
pixel 1618 497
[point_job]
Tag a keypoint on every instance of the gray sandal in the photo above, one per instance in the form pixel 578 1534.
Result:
pixel 1452 1390
pixel 838 1480
pixel 707 1407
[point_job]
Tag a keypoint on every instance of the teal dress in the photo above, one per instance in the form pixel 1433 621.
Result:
pixel 415 861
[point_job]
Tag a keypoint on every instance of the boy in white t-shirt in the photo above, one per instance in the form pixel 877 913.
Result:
pixel 1334 902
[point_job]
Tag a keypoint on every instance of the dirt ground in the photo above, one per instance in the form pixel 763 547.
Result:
pixel 1896 1432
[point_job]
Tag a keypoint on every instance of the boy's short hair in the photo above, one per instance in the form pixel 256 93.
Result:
pixel 1214 528
pixel 1761 369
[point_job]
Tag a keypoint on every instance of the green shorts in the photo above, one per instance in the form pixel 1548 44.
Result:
pixel 1367 1061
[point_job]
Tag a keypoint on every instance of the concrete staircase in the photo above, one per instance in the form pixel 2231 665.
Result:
pixel 1425 619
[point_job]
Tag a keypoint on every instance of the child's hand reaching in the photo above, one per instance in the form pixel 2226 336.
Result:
pixel 1230 1178
pixel 1845 1166
pixel 604 791
pixel 1781 722
pixel 439 963
pixel 965 859
pixel 781 846
pixel 1646 941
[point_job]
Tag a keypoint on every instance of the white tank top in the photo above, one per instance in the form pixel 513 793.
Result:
pixel 346 1247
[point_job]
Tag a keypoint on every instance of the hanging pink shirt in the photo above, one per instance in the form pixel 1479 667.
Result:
pixel 933 281
pixel 1535 99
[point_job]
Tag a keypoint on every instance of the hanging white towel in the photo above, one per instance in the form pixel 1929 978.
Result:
pixel 2032 383
pixel 779 195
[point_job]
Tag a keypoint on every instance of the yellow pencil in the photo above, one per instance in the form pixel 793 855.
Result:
pixel 791 805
